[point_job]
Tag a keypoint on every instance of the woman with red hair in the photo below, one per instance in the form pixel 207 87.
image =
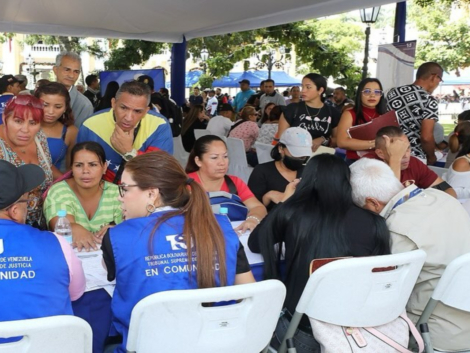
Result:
pixel 23 142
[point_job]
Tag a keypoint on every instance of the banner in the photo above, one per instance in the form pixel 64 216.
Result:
pixel 121 76
pixel 395 64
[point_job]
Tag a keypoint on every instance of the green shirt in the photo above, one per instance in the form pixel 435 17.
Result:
pixel 62 197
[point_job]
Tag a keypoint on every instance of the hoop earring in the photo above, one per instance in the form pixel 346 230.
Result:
pixel 151 208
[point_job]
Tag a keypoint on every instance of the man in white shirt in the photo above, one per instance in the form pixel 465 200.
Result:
pixel 67 70
pixel 220 124
pixel 212 103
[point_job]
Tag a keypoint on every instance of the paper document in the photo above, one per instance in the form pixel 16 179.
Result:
pixel 95 274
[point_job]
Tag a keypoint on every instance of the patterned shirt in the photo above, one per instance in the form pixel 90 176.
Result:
pixel 7 154
pixel 266 133
pixel 248 132
pixel 62 197
pixel 413 105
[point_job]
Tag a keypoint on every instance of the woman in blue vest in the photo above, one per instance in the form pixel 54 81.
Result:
pixel 149 252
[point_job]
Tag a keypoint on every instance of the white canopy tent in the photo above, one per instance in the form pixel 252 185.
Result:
pixel 162 21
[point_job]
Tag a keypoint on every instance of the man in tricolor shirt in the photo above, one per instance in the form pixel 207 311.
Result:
pixel 127 129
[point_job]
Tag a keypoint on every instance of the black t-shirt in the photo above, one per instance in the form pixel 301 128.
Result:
pixel 264 178
pixel 108 257
pixel 195 100
pixel 319 122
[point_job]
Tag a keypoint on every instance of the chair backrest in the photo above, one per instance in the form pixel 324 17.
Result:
pixel 54 334
pixel 453 288
pixel 238 164
pixel 348 292
pixel 201 132
pixel 263 151
pixel 179 152
pixel 175 321
pixel 324 150
pixel 438 170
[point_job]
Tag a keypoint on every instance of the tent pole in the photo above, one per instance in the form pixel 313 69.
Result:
pixel 178 72
pixel 400 23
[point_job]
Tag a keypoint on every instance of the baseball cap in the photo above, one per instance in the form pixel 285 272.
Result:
pixel 6 81
pixel 21 78
pixel 298 141
pixel 17 181
pixel 225 107
pixel 244 81
pixel 147 80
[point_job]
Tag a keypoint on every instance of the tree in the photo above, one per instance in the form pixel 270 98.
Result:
pixel 441 40
pixel 131 52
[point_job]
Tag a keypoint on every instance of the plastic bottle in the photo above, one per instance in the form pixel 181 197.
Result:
pixel 223 211
pixel 63 226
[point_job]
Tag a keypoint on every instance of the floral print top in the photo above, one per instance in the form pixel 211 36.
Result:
pixel 35 216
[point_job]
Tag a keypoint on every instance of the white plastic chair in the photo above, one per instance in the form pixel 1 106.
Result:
pixel 201 132
pixel 175 321
pixel 179 152
pixel 53 334
pixel 263 151
pixel 438 170
pixel 348 293
pixel 238 164
pixel 324 150
pixel 453 290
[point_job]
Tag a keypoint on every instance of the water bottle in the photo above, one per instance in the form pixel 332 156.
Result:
pixel 63 226
pixel 223 211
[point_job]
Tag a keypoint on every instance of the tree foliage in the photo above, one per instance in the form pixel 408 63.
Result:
pixel 131 52
pixel 441 40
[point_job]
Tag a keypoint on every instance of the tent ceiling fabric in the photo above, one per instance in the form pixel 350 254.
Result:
pixel 162 20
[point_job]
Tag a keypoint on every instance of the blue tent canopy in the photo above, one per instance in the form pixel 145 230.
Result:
pixel 281 78
pixel 452 79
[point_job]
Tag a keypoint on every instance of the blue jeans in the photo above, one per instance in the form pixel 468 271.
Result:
pixel 304 341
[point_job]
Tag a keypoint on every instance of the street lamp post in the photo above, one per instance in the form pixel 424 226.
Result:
pixel 31 67
pixel 368 16
pixel 270 62
pixel 204 57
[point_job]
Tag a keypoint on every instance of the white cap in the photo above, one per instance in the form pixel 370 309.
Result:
pixel 298 141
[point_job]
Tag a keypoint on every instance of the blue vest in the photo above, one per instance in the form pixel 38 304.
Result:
pixel 34 275
pixel 139 273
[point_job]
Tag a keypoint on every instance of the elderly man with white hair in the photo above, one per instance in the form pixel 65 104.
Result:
pixel 427 219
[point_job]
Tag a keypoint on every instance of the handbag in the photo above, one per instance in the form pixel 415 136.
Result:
pixel 388 338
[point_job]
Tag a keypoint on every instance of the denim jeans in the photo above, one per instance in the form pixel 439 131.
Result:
pixel 304 341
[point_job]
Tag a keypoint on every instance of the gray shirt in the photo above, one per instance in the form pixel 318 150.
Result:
pixel 81 106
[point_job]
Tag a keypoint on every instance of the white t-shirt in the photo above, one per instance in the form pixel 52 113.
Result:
pixel 219 125
pixel 211 106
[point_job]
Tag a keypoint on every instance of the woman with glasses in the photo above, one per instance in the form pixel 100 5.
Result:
pixel 170 240
pixel 369 104
pixel 319 119
pixel 23 142
pixel 247 130
pixel 58 123
pixel 91 203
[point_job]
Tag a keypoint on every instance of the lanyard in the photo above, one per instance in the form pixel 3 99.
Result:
pixel 407 197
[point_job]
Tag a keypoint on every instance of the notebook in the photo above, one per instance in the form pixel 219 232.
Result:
pixel 368 130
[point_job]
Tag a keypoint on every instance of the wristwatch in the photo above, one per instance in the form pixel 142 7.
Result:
pixel 129 155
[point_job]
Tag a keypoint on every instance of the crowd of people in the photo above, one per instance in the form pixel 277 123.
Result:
pixel 107 162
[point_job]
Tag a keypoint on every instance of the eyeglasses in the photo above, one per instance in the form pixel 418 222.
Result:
pixel 30 203
pixel 123 191
pixel 440 78
pixel 376 92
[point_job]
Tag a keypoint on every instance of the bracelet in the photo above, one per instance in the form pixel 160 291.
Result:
pixel 255 218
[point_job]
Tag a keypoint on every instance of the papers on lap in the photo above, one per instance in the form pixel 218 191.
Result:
pixel 95 274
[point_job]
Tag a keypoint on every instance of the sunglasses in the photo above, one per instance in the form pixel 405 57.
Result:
pixel 376 92
pixel 28 100
pixel 122 190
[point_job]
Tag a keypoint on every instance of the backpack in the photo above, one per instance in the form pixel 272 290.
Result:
pixel 237 211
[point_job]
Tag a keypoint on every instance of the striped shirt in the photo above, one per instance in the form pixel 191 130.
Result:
pixel 61 197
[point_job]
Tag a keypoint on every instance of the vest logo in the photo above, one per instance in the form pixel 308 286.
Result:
pixel 177 242
pixel 1 246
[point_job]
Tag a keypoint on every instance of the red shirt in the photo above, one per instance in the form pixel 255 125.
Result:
pixel 243 190
pixel 417 171
pixel 369 114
